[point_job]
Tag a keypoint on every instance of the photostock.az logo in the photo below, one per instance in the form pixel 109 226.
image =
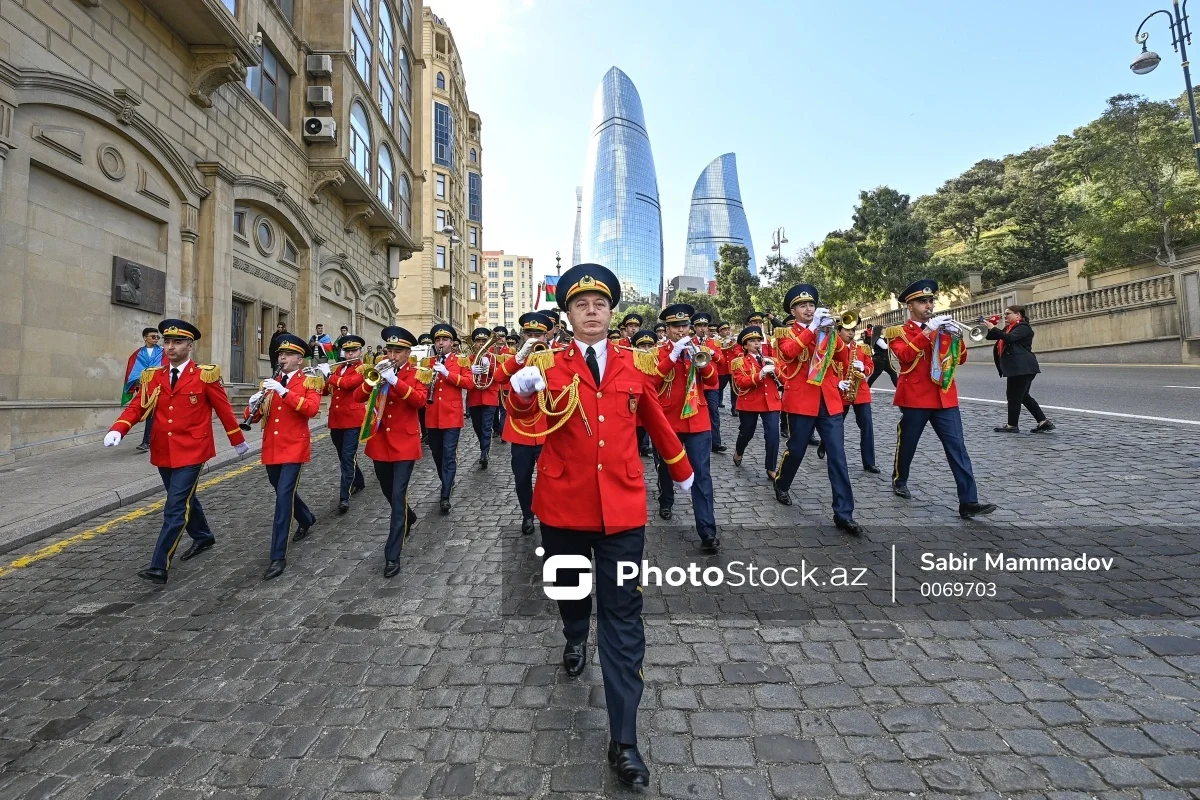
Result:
pixel 574 563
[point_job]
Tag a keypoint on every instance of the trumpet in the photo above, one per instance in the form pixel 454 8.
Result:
pixel 726 342
pixel 700 355
pixel 976 333
pixel 314 371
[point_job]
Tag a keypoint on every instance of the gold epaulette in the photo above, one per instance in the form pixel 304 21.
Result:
pixel 542 359
pixel 503 357
pixel 464 362
pixel 315 382
pixel 147 375
pixel 782 333
pixel 425 375
pixel 362 369
pixel 893 332
pixel 736 363
pixel 210 373
pixel 647 362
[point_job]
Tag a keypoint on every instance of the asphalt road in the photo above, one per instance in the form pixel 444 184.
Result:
pixel 1154 391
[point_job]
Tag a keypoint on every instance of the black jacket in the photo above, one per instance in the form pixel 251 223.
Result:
pixel 1018 357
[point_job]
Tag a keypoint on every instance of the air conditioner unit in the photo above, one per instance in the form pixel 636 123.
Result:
pixel 320 66
pixel 320 96
pixel 320 129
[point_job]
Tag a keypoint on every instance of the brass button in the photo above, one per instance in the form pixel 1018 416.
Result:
pixel 170 421
pixel 599 466
pixel 599 394
pixel 389 430
pixel 277 419
pixel 274 433
pixel 170 408
pixel 602 443
pixel 168 433
pixel 601 418
pixel 389 416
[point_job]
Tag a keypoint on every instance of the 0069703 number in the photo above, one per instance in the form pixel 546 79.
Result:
pixel 958 589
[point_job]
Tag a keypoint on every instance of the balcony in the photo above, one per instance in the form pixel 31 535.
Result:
pixel 441 280
pixel 221 53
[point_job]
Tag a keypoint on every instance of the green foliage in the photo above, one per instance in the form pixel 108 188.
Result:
pixel 698 301
pixel 734 283
pixel 648 313
pixel 892 243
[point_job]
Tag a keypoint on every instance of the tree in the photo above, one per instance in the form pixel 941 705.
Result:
pixel 698 301
pixel 969 205
pixel 648 313
pixel 734 283
pixel 892 244
pixel 1040 215
pixel 778 274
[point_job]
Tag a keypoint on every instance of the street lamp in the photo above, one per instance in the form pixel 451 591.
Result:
pixel 454 239
pixel 778 240
pixel 1181 37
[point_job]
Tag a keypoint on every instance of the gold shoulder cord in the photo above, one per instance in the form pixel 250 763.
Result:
pixel 548 404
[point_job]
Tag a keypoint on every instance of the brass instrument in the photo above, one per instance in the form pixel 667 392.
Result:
pixel 484 380
pixel 763 361
pixel 252 410
pixel 726 342
pixel 700 355
pixel 976 333
pixel 849 319
pixel 418 355
pixel 372 376
pixel 856 377
pixel 314 371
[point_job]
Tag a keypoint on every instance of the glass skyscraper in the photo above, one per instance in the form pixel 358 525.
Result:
pixel 620 219
pixel 717 217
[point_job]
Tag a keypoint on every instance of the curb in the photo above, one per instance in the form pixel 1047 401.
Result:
pixel 43 526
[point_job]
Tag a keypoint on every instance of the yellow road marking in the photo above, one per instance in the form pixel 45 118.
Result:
pixel 54 549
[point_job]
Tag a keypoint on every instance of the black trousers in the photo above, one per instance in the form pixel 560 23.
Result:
pixel 722 382
pixel 443 446
pixel 393 481
pixel 182 511
pixel 288 505
pixel 1018 395
pixel 499 417
pixel 882 365
pixel 345 440
pixel 483 420
pixel 862 416
pixel 620 635
pixel 421 419
pixel 800 429
pixel 748 422
pixel 524 459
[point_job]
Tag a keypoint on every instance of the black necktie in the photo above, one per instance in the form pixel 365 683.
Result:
pixel 593 365
pixel 174 376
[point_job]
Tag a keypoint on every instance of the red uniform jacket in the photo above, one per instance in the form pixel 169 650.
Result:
pixel 348 406
pixel 915 388
pixel 446 410
pixel 531 430
pixel 753 394
pixel 182 434
pixel 671 388
pixel 286 439
pixel 399 438
pixel 589 474
pixel 864 354
pixel 796 349
pixel 728 354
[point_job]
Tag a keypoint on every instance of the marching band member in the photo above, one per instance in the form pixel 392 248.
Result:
pixel 424 339
pixel 929 355
pixel 346 410
pixel 392 434
pixel 727 356
pixel 287 404
pixel 630 323
pixel 644 341
pixel 812 398
pixel 182 440
pixel 482 403
pixel 614 336
pixel 758 388
pixel 660 330
pixel 501 350
pixel 444 407
pixel 861 360
pixel 681 386
pixel 525 435
pixel 590 494
pixel 701 322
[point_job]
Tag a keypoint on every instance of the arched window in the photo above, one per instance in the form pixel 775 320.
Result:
pixel 387 36
pixel 405 210
pixel 441 81
pixel 405 79
pixel 474 155
pixel 387 178
pixel 360 141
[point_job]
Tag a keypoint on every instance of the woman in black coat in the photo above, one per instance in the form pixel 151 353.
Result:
pixel 1013 354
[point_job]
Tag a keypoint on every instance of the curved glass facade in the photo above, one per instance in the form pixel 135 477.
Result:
pixel 620 219
pixel 717 217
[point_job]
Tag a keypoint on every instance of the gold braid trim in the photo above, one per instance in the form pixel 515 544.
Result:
pixel 148 403
pixel 782 333
pixel 676 459
pixel 315 382
pixel 210 373
pixel 363 369
pixel 543 360
pixel 647 362
pixel 464 362
pixel 548 405
pixel 147 375
pixel 425 375
pixel 893 332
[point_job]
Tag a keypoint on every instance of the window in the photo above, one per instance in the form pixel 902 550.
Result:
pixel 286 7
pixel 440 183
pixel 474 291
pixel 443 135
pixel 405 212
pixel 239 223
pixel 441 220
pixel 264 236
pixel 271 84
pixel 231 5
pixel 387 95
pixel 360 48
pixel 365 6
pixel 289 253
pixel 475 196
pixel 474 155
pixel 266 326
pixel 387 37
pixel 474 236
pixel 360 141
pixel 441 256
pixel 387 177
pixel 406 18
pixel 508 263
pixel 508 284
pixel 493 305
pixel 405 133
pixel 492 272
pixel 405 79
pixel 474 263
pixel 508 273
pixel 441 81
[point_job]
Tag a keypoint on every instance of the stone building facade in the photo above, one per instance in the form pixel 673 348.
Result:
pixel 510 287
pixel 154 162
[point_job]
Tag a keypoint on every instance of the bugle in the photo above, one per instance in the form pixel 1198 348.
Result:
pixel 976 332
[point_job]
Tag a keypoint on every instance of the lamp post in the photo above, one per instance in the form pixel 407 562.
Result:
pixel 778 240
pixel 454 239
pixel 1181 37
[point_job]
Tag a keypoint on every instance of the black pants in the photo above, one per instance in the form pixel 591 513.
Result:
pixel 288 505
pixel 524 459
pixel 1018 395
pixel 862 416
pixel 620 634
pixel 182 511
pixel 483 420
pixel 393 481
pixel 722 382
pixel 748 422
pixel 443 446
pixel 800 429
pixel 345 440
pixel 882 365
pixel 499 417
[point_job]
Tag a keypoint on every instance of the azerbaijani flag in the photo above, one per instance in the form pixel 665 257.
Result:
pixel 551 288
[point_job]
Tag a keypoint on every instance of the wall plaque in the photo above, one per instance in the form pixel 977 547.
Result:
pixel 138 286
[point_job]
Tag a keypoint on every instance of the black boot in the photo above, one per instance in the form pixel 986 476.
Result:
pixel 154 575
pixel 391 569
pixel 527 526
pixel 275 570
pixel 901 490
pixel 627 761
pixel 575 658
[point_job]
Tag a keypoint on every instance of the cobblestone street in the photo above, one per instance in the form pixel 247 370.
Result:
pixel 334 682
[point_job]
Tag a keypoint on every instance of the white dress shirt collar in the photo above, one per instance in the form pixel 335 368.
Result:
pixel 601 350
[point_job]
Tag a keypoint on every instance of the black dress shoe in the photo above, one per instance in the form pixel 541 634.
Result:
pixel 302 531
pixel 445 505
pixel 1007 429
pixel 665 513
pixel 154 575
pixel 343 506
pixel 849 526
pixel 737 460
pixel 720 448
pixel 710 544
pixel 814 441
pixel 356 489
pixel 275 570
pixel 483 463
pixel 820 451
pixel 783 497
pixel 391 569
pixel 901 490
pixel 968 510
pixel 1045 426
pixel 575 658
pixel 198 547
pixel 871 468
pixel 527 526
pixel 627 761
pixel 143 448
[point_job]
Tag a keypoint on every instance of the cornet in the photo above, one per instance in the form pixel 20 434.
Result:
pixel 699 354
pixel 976 333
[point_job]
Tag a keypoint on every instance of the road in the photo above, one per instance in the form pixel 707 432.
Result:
pixel 1160 391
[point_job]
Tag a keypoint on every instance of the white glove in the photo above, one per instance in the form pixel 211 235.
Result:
pixel 242 448
pixel 112 439
pixel 440 369
pixel 843 385
pixel 821 317
pixel 272 385
pixel 881 343
pixel 254 398
pixel 679 347
pixel 324 369
pixel 939 321
pixel 527 380
pixel 523 353
pixel 858 365
pixel 389 374
pixel 478 369
pixel 485 362
pixel 769 367
pixel 685 485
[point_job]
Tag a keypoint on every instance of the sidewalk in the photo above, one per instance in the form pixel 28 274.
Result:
pixel 52 492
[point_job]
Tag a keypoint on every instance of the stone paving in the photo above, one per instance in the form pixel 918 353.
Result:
pixel 334 682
